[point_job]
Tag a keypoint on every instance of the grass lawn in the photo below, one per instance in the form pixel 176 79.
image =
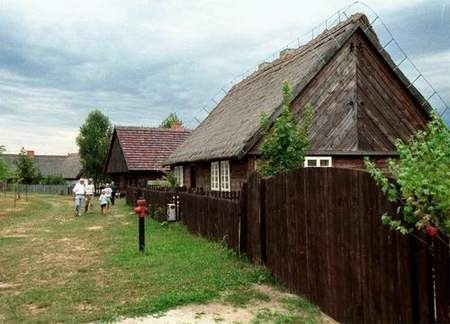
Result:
pixel 59 268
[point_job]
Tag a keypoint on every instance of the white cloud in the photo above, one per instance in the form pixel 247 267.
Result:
pixel 136 60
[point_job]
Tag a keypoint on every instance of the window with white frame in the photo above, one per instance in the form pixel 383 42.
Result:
pixel 178 172
pixel 224 176
pixel 318 161
pixel 215 176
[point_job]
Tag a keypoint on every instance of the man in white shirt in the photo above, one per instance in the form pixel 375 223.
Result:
pixel 90 190
pixel 79 191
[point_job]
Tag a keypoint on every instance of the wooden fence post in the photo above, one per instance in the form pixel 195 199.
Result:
pixel 253 218
pixel 441 264
pixel 262 215
pixel 242 232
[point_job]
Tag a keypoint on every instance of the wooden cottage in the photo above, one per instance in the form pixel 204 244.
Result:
pixel 362 102
pixel 136 153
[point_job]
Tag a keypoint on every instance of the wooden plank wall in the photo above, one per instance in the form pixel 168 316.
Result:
pixel 441 262
pixel 252 228
pixel 116 160
pixel 156 199
pixel 214 218
pixel 324 240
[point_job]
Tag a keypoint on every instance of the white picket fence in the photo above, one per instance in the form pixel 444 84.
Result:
pixel 38 188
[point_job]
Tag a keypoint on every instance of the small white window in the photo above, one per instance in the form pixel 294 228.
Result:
pixel 178 171
pixel 215 176
pixel 224 176
pixel 318 161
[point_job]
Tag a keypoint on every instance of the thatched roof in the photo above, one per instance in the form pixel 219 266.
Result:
pixel 233 127
pixel 67 166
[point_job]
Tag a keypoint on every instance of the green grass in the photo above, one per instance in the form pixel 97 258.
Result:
pixel 243 296
pixel 58 268
pixel 298 310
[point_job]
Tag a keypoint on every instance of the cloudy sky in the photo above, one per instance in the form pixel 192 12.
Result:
pixel 139 60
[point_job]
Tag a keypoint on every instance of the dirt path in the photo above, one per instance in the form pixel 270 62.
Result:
pixel 271 310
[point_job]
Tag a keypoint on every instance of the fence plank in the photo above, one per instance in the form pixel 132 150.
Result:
pixel 442 275
pixel 253 218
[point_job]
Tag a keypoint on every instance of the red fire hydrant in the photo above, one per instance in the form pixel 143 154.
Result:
pixel 141 210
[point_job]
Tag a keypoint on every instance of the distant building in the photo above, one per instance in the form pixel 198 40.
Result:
pixel 68 166
pixel 136 153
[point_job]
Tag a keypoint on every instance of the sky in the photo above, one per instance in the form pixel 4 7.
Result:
pixel 137 61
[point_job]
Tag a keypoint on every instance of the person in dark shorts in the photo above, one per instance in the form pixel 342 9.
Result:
pixel 103 199
pixel 113 192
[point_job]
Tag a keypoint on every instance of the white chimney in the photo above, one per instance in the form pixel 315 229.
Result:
pixel 287 52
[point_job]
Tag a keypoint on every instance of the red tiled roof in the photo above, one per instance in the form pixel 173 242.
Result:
pixel 146 148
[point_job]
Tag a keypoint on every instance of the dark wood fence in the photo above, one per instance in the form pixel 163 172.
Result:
pixel 322 237
pixel 217 219
pixel 157 199
pixel 213 215
pixel 319 231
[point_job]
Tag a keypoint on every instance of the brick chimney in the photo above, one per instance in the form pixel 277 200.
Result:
pixel 176 126
pixel 30 153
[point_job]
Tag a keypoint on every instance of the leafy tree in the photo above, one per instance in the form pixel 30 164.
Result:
pixel 170 179
pixel 26 171
pixel 286 141
pixel 421 181
pixel 93 142
pixel 5 172
pixel 53 180
pixel 170 120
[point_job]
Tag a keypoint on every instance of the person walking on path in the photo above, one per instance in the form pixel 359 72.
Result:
pixel 103 199
pixel 79 191
pixel 113 192
pixel 108 192
pixel 90 190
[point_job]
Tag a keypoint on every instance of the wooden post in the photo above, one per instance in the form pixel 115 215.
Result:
pixel 242 235
pixel 141 234
pixel 15 196
pixel 262 215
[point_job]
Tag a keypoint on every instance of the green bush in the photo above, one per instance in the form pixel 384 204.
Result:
pixel 286 141
pixel 53 180
pixel 421 182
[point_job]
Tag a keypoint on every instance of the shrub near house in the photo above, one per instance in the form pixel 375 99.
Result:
pixel 422 181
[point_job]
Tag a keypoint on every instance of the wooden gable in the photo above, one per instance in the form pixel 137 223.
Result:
pixel 386 109
pixel 333 95
pixel 360 104
pixel 116 162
